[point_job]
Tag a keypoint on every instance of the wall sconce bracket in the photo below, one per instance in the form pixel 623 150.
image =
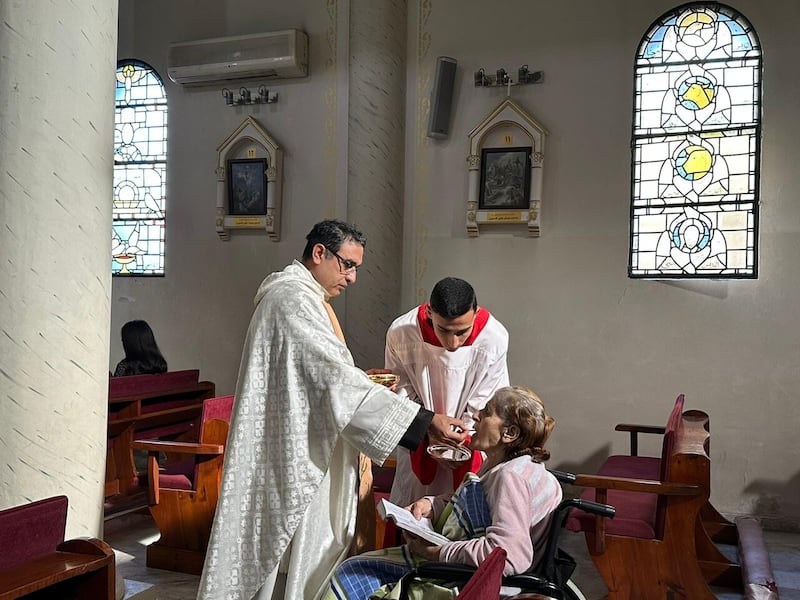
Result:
pixel 245 97
pixel 501 77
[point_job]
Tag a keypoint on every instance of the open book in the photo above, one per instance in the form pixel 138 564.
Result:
pixel 405 520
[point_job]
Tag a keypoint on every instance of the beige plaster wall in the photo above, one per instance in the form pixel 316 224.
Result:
pixel 200 310
pixel 598 347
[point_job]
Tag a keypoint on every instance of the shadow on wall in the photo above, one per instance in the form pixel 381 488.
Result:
pixel 589 465
pixel 769 504
pixel 704 287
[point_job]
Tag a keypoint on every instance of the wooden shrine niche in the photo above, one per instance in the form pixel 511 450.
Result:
pixel 505 162
pixel 249 175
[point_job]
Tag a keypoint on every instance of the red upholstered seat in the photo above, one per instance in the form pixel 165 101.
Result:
pixel 638 515
pixel 638 467
pixel 661 542
pixel 178 475
pixel 182 474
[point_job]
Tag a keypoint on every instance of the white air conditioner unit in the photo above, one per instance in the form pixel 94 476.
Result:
pixel 278 54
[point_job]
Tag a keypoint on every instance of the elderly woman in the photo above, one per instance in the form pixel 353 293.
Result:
pixel 507 504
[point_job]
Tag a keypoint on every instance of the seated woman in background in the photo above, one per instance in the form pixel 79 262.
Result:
pixel 142 355
pixel 508 503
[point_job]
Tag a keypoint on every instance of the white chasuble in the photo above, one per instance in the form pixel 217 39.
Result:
pixel 302 413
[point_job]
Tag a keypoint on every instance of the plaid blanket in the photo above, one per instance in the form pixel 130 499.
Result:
pixel 374 575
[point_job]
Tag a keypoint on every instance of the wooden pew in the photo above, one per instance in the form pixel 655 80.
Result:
pixel 183 498
pixel 658 546
pixel 38 563
pixel 720 529
pixel 634 466
pixel 165 406
pixel 374 483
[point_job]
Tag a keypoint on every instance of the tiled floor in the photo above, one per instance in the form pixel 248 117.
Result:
pixel 129 536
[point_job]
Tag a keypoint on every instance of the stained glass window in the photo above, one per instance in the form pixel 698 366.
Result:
pixel 696 146
pixel 140 155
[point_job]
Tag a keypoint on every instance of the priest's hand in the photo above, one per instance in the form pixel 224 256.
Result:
pixel 447 430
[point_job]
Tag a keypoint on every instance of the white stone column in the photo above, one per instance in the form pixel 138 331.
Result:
pixel 377 75
pixel 57 64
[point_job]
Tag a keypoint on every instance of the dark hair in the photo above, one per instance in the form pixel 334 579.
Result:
pixel 452 297
pixel 332 233
pixel 141 351
pixel 521 407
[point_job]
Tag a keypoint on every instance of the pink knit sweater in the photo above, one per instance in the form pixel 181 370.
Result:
pixel 521 495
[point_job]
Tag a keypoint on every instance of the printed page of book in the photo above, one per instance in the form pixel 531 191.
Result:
pixel 405 520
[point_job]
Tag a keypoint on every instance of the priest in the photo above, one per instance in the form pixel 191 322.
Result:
pixel 302 413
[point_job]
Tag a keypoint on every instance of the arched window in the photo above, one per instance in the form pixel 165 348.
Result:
pixel 696 146
pixel 140 159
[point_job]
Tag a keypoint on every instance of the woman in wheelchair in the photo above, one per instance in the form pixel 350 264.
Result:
pixel 508 503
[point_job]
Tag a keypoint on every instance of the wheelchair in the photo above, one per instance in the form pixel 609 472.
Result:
pixel 549 579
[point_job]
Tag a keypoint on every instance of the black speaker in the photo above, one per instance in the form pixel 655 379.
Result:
pixel 442 97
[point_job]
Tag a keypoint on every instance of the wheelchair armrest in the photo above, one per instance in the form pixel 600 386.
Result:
pixel 531 583
pixel 447 571
pixel 596 508
pixel 563 476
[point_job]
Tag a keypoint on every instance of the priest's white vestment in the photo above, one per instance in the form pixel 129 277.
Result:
pixel 302 413
pixel 453 383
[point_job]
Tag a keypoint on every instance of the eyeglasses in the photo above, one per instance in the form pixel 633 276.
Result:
pixel 345 265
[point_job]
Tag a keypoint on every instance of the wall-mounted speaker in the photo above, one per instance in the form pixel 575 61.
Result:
pixel 442 97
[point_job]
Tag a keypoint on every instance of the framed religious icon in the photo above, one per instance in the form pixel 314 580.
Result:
pixel 249 174
pixel 504 166
pixel 505 178
pixel 247 186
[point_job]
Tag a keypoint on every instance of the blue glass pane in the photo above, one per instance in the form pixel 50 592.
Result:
pixel 137 247
pixel 696 133
pixel 140 154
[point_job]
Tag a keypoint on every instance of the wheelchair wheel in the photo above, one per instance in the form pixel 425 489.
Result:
pixel 571 591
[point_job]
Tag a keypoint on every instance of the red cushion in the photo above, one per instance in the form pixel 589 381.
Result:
pixel 673 422
pixel 635 467
pixel 180 475
pixel 218 408
pixel 636 514
pixel 177 475
pixel 174 481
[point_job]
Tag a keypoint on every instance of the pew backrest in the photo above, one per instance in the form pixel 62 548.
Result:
pixel 32 530
pixel 162 406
